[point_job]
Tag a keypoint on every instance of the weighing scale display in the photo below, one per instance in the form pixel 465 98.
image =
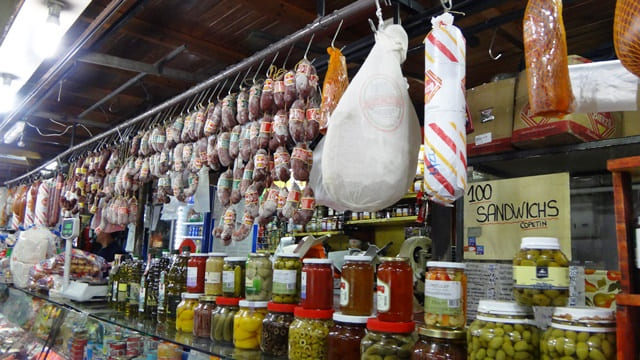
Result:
pixel 69 228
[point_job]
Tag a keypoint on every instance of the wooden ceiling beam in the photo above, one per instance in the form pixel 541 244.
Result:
pixel 17 151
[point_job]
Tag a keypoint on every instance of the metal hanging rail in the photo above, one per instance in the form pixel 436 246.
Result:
pixel 322 24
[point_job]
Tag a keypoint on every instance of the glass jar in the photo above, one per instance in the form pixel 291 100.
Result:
pixel 502 329
pixel 196 268
pixel 202 316
pixel 308 334
pixel 233 274
pixel 436 344
pixel 445 295
pixel 213 274
pixel 580 333
pixel 247 324
pixel 184 312
pixel 541 273
pixel 222 319
pixel 258 277
pixel 316 284
pixel 393 340
pixel 275 329
pixel 345 336
pixel 356 286
pixel 394 289
pixel 286 279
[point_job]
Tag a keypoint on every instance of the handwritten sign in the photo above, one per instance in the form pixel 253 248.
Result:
pixel 499 213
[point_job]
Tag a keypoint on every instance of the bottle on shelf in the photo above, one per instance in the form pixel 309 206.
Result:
pixel 176 284
pixel 112 288
pixel 135 275
pixel 161 311
pixel 123 286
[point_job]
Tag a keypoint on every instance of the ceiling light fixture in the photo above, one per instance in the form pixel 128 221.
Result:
pixel 21 141
pixel 7 94
pixel 16 131
pixel 50 34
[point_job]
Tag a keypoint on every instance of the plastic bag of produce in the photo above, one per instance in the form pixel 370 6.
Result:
pixel 445 148
pixel 370 151
pixel 33 245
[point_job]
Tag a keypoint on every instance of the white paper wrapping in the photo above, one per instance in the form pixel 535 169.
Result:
pixel 603 87
pixel 42 203
pixel 445 146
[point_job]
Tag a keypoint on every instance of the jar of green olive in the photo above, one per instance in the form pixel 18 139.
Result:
pixel 308 334
pixel 541 273
pixel 286 279
pixel 503 330
pixel 258 277
pixel 233 276
pixel 580 333
pixel 388 340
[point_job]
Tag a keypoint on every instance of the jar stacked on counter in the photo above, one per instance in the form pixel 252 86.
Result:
pixel 233 277
pixel 445 295
pixel 287 270
pixel 356 286
pixel 258 277
pixel 308 334
pixel 247 324
pixel 275 329
pixel 202 315
pixel 345 336
pixel 213 274
pixel 196 269
pixel 222 319
pixel 392 340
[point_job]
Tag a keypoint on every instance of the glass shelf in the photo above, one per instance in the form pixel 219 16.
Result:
pixel 389 221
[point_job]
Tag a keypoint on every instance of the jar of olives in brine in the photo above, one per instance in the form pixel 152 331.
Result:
pixel 222 319
pixel 445 295
pixel 580 333
pixel 286 279
pixel 541 273
pixel 258 277
pixel 247 324
pixel 393 340
pixel 308 334
pixel 345 336
pixel 436 344
pixel 213 274
pixel 275 329
pixel 501 330
pixel 233 276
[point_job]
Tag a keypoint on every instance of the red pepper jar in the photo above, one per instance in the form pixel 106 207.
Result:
pixel 196 269
pixel 394 290
pixel 317 284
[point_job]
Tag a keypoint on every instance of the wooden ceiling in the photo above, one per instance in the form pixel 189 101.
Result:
pixel 203 37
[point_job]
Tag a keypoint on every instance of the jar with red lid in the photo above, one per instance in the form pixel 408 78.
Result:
pixel 316 284
pixel 394 340
pixel 345 336
pixel 394 290
pixel 196 268
pixel 308 334
pixel 222 319
pixel 356 286
pixel 275 329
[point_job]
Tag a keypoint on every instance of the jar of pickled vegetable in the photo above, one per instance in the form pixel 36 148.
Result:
pixel 213 274
pixel 247 324
pixel 445 295
pixel 356 286
pixel 258 277
pixel 393 340
pixel 436 344
pixel 286 279
pixel 580 333
pixel 202 316
pixel 184 312
pixel 222 319
pixel 345 336
pixel 275 329
pixel 308 334
pixel 541 273
pixel 503 329
pixel 316 284
pixel 394 289
pixel 233 276
pixel 196 268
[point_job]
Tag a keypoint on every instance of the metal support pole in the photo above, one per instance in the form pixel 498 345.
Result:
pixel 73 135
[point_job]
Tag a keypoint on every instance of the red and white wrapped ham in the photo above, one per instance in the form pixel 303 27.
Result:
pixel 445 148
pixel 42 203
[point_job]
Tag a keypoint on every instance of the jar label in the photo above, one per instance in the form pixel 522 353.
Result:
pixel 541 277
pixel 253 286
pixel 303 285
pixel 344 292
pixel 442 297
pixel 212 277
pixel 228 281
pixel 192 276
pixel 122 292
pixel 383 293
pixel 284 282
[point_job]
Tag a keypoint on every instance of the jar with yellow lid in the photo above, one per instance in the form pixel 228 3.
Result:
pixel 213 274
pixel 436 344
pixel 184 312
pixel 247 324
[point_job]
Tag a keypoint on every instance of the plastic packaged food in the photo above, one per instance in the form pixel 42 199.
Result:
pixel 436 344
pixel 213 274
pixel 545 53
pixel 580 333
pixel 247 324
pixel 275 329
pixel 258 277
pixel 169 351
pixel 196 268
pixel 286 279
pixel 335 83
pixel 394 289
pixel 202 315
pixel 233 276
pixel 388 340
pixel 184 312
pixel 308 334
pixel 503 329
pixel 356 286
pixel 541 273
pixel 222 319
pixel 445 295
pixel 316 284
pixel 345 336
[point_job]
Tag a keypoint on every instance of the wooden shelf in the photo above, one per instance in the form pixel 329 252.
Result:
pixel 318 233
pixel 628 299
pixel 382 222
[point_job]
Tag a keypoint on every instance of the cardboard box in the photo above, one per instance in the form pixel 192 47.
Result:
pixel 491 109
pixel 534 132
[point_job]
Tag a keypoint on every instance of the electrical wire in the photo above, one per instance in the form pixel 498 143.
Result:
pixel 67 127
